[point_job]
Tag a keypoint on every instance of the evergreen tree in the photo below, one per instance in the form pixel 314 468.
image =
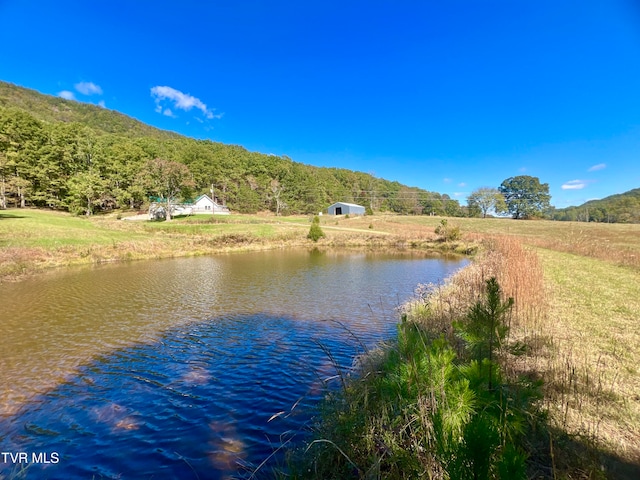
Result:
pixel 315 232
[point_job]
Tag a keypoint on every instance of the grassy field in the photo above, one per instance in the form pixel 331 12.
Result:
pixel 592 368
pixel 34 240
pixel 615 243
pixel 583 314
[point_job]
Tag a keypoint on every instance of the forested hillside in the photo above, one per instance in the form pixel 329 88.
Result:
pixel 55 109
pixel 620 208
pixel 68 155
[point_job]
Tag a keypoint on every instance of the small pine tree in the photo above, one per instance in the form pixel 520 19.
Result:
pixel 485 329
pixel 315 232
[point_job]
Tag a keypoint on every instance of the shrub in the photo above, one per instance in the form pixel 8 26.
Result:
pixel 446 232
pixel 315 232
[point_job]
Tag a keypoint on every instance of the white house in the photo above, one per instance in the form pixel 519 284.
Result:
pixel 204 204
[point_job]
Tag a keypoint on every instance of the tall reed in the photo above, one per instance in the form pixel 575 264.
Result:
pixel 517 270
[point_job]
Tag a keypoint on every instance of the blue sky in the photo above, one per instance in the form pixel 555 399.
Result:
pixel 447 95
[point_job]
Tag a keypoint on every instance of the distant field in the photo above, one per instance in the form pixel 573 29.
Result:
pixel 33 240
pixel 615 242
pixel 50 230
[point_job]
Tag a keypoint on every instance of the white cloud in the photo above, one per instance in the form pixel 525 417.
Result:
pixel 522 169
pixel 88 88
pixel 446 180
pixel 462 184
pixel 168 113
pixel 600 166
pixel 66 94
pixel 102 104
pixel 574 185
pixel 179 100
pixel 459 194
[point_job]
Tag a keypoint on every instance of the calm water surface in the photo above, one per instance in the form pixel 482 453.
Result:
pixel 174 368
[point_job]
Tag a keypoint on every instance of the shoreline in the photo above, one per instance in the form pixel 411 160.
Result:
pixel 130 241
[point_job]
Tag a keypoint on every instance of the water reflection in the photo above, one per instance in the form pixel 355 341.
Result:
pixel 175 369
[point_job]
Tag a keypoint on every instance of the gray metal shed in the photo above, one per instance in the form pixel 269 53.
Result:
pixel 342 208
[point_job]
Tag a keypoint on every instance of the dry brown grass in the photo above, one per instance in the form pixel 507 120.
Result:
pixel 611 242
pixel 518 272
pixel 578 312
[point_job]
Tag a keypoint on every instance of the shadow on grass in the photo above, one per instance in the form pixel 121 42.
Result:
pixel 617 467
pixel 560 455
pixel 581 454
pixel 9 215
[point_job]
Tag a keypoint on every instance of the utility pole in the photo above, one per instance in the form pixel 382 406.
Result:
pixel 213 200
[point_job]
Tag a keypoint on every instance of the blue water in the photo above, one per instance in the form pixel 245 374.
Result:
pixel 213 396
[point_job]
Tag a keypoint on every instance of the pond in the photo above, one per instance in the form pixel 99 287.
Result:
pixel 186 368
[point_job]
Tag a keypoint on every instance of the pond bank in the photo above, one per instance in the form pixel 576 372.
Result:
pixel 34 241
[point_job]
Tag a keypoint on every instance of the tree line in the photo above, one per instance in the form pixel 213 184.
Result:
pixel 620 208
pixel 526 197
pixel 83 169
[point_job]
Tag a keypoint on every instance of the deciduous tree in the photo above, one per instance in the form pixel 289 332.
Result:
pixel 525 196
pixel 487 199
pixel 165 179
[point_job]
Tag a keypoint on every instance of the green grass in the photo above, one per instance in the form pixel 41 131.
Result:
pixel 33 240
pixel 594 314
pixel 44 229
pixel 186 226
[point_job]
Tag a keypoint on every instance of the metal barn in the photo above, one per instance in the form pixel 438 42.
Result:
pixel 342 208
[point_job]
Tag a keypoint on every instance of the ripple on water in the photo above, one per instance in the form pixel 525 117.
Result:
pixel 203 398
pixel 174 396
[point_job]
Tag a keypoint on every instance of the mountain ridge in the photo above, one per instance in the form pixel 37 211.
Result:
pixel 50 108
pixel 619 208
